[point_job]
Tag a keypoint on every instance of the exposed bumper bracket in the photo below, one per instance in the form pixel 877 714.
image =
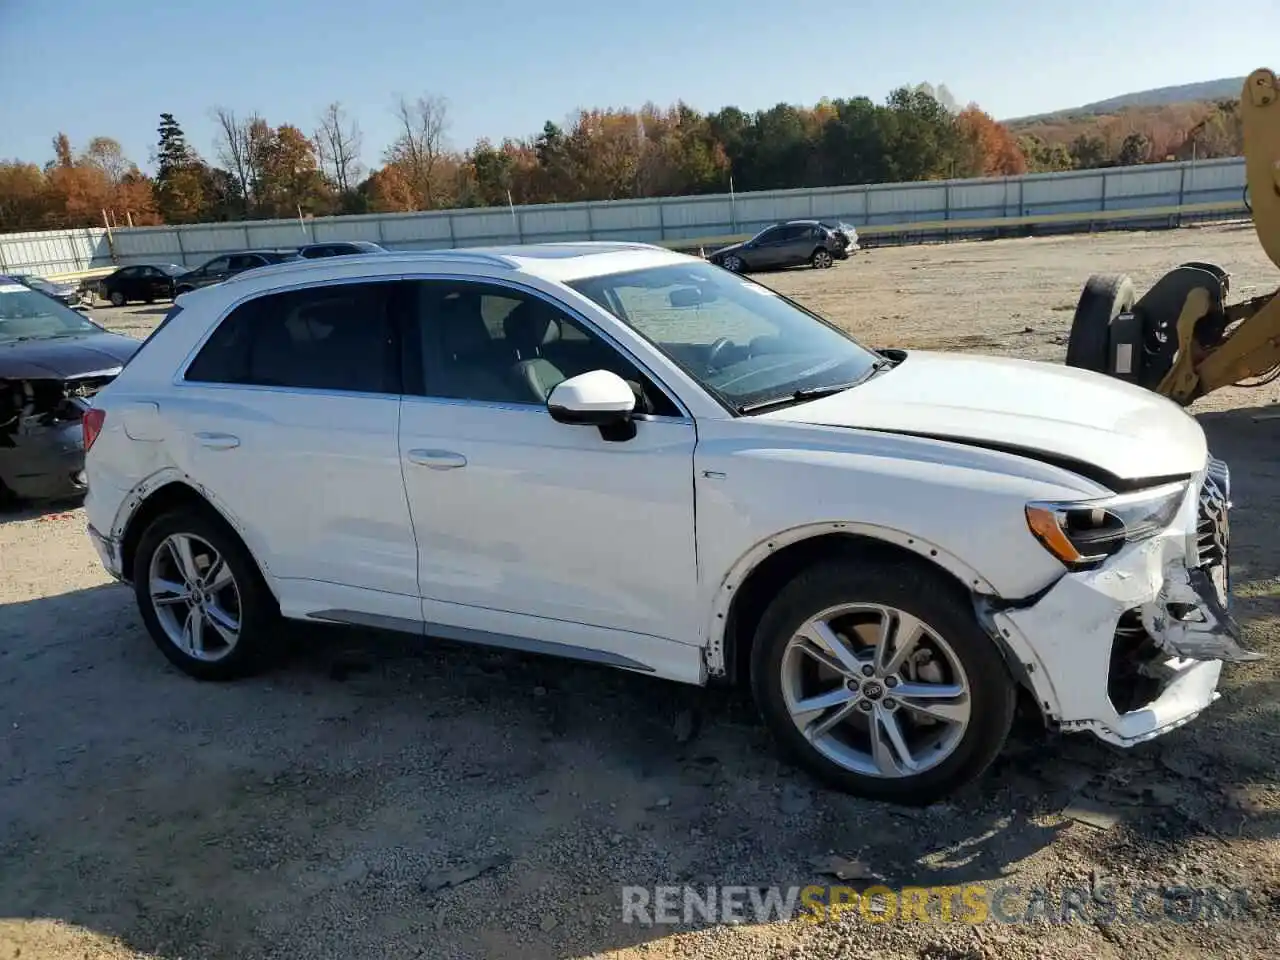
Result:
pixel 1188 619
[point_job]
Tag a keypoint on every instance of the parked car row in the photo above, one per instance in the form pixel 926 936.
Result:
pixel 149 282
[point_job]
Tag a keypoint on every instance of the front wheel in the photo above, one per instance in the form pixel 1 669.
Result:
pixel 821 259
pixel 202 598
pixel 117 298
pixel 733 263
pixel 878 679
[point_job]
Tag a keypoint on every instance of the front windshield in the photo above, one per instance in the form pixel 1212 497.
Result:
pixel 172 269
pixel 743 342
pixel 26 314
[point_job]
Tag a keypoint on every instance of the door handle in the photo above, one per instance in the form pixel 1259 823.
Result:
pixel 218 441
pixel 437 459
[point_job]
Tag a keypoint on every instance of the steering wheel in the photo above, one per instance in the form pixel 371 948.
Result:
pixel 717 348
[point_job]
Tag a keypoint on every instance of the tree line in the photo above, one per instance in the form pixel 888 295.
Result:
pixel 260 171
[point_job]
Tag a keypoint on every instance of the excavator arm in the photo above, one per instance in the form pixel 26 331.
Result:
pixel 1250 346
pixel 1181 338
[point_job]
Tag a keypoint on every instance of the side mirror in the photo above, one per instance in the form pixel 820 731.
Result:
pixel 597 398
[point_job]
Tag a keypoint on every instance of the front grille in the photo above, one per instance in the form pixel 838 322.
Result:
pixel 1212 526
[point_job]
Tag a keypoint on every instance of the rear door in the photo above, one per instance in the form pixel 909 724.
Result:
pixel 795 245
pixel 289 416
pixel 154 284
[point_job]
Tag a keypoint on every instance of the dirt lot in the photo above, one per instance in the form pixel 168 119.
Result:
pixel 375 798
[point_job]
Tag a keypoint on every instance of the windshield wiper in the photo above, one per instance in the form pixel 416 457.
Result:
pixel 797 396
pixel 815 393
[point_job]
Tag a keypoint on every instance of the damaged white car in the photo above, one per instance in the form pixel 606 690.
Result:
pixel 620 454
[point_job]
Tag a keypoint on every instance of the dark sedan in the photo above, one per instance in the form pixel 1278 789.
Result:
pixel 52 361
pixel 228 265
pixel 338 248
pixel 147 282
pixel 790 244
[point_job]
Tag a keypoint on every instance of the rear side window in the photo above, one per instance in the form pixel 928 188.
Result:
pixel 336 338
pixel 173 312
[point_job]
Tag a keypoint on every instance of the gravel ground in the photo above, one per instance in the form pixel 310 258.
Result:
pixel 378 798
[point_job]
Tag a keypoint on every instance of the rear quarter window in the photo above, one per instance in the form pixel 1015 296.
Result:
pixel 168 317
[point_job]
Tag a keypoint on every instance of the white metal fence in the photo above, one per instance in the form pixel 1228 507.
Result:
pixel 1048 201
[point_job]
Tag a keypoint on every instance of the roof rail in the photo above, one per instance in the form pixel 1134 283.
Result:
pixel 400 256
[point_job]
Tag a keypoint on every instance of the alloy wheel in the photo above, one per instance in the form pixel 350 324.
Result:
pixel 822 259
pixel 875 690
pixel 195 597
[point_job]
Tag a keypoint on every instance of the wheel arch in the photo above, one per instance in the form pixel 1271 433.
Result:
pixel 745 591
pixel 160 495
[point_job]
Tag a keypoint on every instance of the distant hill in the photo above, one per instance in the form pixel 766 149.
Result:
pixel 1208 90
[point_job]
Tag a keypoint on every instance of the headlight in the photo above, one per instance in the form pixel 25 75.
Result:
pixel 1083 533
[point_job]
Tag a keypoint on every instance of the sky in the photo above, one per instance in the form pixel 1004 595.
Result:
pixel 504 67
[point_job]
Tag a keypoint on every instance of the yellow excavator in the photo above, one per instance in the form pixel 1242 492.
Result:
pixel 1181 338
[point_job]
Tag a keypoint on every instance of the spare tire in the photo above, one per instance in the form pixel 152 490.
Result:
pixel 1104 298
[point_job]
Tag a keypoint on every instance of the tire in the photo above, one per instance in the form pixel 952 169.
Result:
pixel 821 259
pixel 1103 298
pixel 117 299
pixel 950 754
pixel 246 601
pixel 733 263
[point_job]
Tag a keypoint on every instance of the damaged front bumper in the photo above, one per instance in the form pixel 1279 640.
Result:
pixel 1134 648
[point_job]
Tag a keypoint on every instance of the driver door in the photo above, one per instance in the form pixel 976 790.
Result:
pixel 530 528
pixel 767 249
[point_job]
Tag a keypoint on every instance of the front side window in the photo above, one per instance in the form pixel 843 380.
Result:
pixel 335 338
pixel 27 314
pixel 216 266
pixel 490 343
pixel 742 342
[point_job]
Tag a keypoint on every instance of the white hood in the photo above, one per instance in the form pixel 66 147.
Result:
pixel 1123 429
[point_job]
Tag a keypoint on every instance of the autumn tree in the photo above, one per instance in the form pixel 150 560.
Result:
pixel 985 147
pixel 183 187
pixel 22 196
pixel 287 178
pixel 338 142
pixel 420 150
pixel 1135 149
pixel 241 144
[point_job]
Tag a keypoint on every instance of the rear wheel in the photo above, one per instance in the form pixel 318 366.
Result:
pixel 202 598
pixel 878 679
pixel 821 259
pixel 1104 298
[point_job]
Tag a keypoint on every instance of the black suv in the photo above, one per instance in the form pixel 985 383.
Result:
pixel 228 265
